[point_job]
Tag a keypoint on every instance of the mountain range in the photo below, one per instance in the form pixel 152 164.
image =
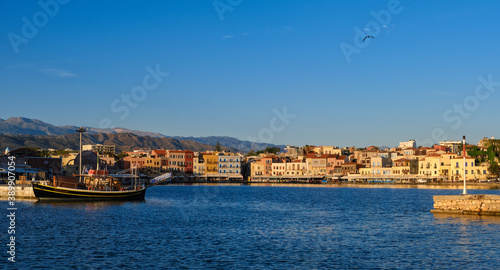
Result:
pixel 20 131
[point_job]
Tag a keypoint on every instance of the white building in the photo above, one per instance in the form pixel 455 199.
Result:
pixel 229 164
pixel 101 148
pixel 408 144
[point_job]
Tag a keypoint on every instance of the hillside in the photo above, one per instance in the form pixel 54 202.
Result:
pixel 26 126
pixel 123 142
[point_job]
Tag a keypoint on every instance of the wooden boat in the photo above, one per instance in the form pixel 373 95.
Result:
pixel 97 186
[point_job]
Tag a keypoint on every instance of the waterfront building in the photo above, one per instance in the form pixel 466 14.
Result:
pixel 401 167
pixel 158 164
pixel 181 160
pixel 211 159
pixel 351 168
pixel 363 156
pixel 199 166
pixel 268 164
pixel 380 166
pixel 257 168
pixel 229 164
pixel 316 164
pixel 430 166
pixel 279 168
pixel 473 171
pixel 337 170
pixel 296 167
pixel 331 162
pixel 99 148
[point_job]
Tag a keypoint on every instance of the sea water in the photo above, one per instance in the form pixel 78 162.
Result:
pixel 234 227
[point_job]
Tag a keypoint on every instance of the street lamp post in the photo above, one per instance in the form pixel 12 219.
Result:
pixel 80 130
pixel 463 154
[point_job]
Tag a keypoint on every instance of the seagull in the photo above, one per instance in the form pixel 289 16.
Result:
pixel 368 37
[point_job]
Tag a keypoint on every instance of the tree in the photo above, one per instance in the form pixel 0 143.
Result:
pixel 217 147
pixel 493 169
pixel 120 156
pixel 272 150
pixel 44 153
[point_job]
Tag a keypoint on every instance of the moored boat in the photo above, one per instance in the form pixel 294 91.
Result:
pixel 45 192
pixel 95 186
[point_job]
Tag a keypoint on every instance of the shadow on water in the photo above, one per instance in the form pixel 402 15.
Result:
pixel 464 219
pixel 84 205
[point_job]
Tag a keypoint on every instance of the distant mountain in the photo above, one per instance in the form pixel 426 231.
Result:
pixel 22 125
pixel 123 142
pixel 231 142
pixel 27 126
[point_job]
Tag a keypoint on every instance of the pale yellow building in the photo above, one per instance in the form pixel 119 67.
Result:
pixel 430 166
pixel 257 169
pixel 199 166
pixel 316 164
pixel 278 168
pixel 296 168
pixel 473 172
pixel 401 167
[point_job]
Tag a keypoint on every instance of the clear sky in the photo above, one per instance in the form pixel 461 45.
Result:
pixel 285 72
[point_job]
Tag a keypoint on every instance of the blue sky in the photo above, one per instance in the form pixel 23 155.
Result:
pixel 236 70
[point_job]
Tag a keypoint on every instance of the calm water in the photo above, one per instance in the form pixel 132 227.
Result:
pixel 232 227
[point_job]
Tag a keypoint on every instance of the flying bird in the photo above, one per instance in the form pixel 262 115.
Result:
pixel 368 37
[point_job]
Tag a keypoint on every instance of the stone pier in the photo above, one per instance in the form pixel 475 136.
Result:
pixel 488 205
pixel 22 192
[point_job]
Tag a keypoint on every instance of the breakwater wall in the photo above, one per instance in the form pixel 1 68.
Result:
pixel 488 205
pixel 22 192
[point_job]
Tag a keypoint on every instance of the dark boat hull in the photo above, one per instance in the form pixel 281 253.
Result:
pixel 50 193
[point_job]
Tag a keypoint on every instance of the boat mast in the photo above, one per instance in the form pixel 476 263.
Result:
pixel 80 130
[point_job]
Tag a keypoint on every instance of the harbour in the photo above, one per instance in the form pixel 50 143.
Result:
pixel 257 227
